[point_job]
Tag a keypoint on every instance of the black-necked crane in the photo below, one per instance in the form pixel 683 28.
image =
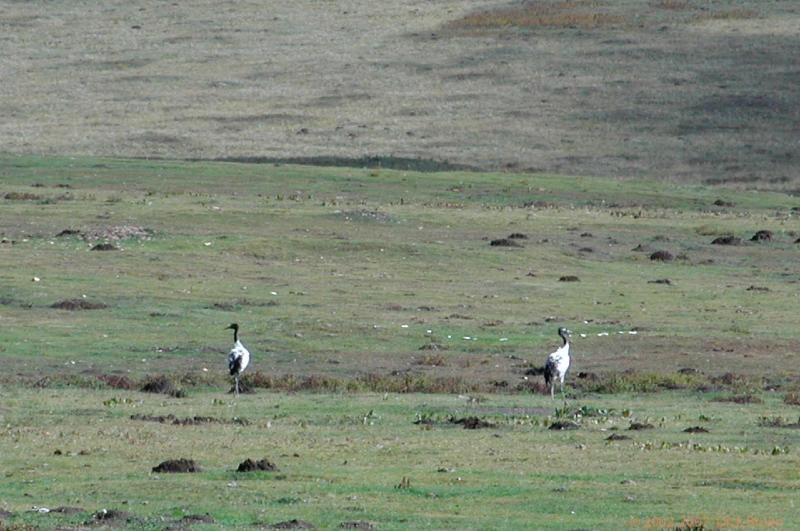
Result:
pixel 239 357
pixel 558 363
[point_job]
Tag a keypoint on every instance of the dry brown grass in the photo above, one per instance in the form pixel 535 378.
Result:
pixel 672 5
pixel 567 14
pixel 729 14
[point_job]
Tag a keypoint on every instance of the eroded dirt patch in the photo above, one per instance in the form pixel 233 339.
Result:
pixel 112 518
pixel 695 429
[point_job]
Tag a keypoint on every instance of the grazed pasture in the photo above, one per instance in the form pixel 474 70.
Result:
pixel 687 90
pixel 383 321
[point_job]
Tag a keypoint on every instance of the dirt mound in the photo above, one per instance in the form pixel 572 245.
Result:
pixel 293 524
pixel 569 278
pixel 162 385
pixel 194 519
pixel 188 421
pixel 723 203
pixel 68 510
pixel 617 437
pixel 118 232
pixel 588 376
pixel 177 466
pixel 696 429
pixel 640 426
pixel 762 236
pixel 688 370
pixel 116 382
pixel 105 247
pixel 504 242
pixel 517 236
pixel 563 425
pixel 248 465
pixel 22 196
pixel 357 525
pixel 757 288
pixel 68 232
pixel 472 423
pixel 111 518
pixel 535 371
pixel 78 304
pixel 662 256
pixel 665 281
pixel 727 240
pixel 740 399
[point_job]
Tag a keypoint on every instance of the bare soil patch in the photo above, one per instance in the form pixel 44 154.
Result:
pixel 618 437
pixel 696 429
pixel 250 465
pixel 569 278
pixel 181 465
pixel 665 281
pixel 635 426
pixel 78 304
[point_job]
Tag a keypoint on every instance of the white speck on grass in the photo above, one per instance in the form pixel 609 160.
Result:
pixel 273 292
pixel 503 339
pixel 449 337
pixel 582 335
pixel 633 332
pixel 467 338
pixel 403 326
pixel 428 331
pixel 207 244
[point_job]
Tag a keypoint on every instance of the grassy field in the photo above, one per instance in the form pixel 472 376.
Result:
pixel 378 313
pixel 687 90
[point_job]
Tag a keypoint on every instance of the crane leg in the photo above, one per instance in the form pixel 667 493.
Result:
pixel 236 389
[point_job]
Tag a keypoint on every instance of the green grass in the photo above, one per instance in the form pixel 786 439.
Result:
pixel 337 276
pixel 339 463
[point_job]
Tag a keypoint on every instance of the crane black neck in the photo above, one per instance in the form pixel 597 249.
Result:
pixel 564 337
